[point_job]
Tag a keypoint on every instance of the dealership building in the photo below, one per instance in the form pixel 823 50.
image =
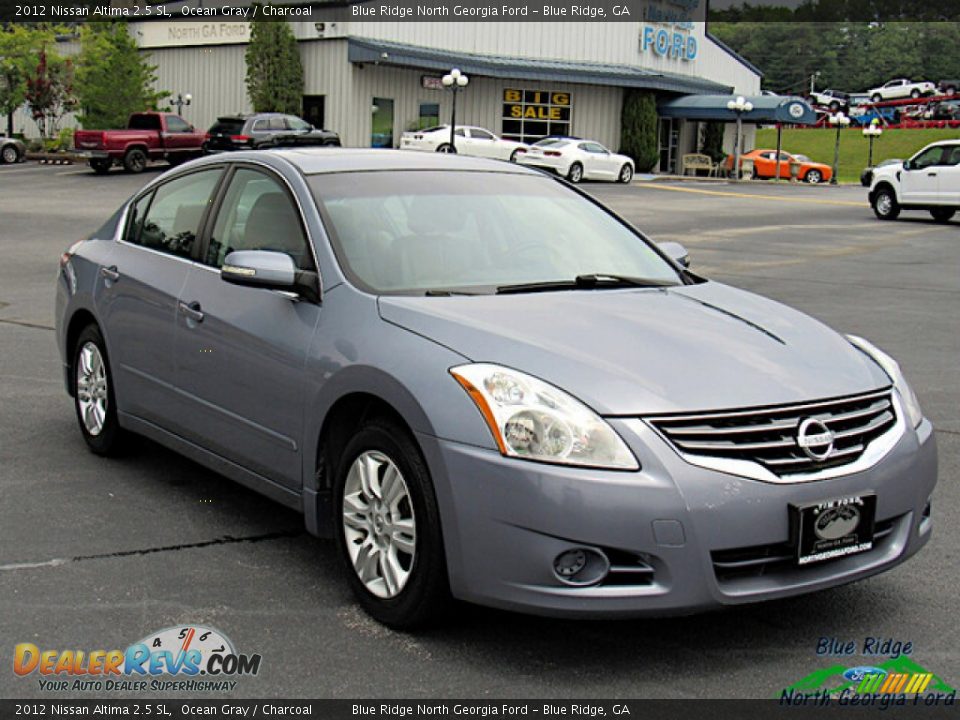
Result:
pixel 371 80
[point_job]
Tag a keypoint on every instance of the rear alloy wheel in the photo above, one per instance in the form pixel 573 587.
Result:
pixel 814 177
pixel 10 154
pixel 943 215
pixel 575 173
pixel 389 534
pixel 885 205
pixel 100 167
pixel 94 398
pixel 914 94
pixel 626 174
pixel 447 148
pixel 135 161
pixel 876 97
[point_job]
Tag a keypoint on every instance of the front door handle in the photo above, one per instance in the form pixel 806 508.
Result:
pixel 931 174
pixel 110 273
pixel 191 310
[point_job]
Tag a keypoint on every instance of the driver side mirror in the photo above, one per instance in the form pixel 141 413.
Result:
pixel 907 165
pixel 676 252
pixel 269 270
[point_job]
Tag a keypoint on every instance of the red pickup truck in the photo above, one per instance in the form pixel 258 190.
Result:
pixel 149 136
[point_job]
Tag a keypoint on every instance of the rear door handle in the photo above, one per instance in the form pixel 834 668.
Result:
pixel 191 310
pixel 932 174
pixel 110 273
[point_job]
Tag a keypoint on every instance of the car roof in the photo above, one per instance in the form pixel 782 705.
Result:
pixel 315 161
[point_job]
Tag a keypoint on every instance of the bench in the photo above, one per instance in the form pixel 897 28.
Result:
pixel 695 162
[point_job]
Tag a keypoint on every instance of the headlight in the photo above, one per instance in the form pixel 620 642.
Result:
pixel 892 369
pixel 533 420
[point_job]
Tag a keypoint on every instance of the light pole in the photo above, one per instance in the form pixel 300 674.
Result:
pixel 840 121
pixel 182 101
pixel 872 132
pixel 454 81
pixel 739 106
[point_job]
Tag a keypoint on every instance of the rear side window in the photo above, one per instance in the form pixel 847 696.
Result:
pixel 169 219
pixel 277 123
pixel 175 124
pixel 261 126
pixel 144 122
pixel 227 126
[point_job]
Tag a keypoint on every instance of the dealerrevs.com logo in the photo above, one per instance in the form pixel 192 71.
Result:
pixel 183 658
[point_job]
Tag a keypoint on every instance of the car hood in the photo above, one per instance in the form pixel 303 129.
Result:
pixel 646 351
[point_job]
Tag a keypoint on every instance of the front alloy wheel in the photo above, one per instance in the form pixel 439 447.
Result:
pixel 10 154
pixel 379 525
pixel 575 174
pixel 885 205
pixel 814 177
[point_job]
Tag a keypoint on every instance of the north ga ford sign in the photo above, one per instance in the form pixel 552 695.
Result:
pixel 674 40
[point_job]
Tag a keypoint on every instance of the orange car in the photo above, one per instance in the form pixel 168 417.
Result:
pixel 765 166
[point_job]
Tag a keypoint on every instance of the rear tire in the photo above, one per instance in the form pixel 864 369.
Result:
pixel 447 148
pixel 101 167
pixel 885 205
pixel 513 156
pixel 94 398
pixel 10 155
pixel 135 161
pixel 575 173
pixel 405 584
pixel 943 215
pixel 876 97
pixel 914 94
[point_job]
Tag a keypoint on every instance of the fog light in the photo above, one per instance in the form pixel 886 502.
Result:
pixel 581 566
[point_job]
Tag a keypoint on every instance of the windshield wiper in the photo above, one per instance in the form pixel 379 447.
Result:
pixel 446 293
pixel 585 282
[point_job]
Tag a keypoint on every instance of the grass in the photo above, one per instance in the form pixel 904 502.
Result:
pixel 818 145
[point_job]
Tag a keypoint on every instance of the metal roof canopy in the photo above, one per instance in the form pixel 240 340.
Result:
pixel 766 109
pixel 364 50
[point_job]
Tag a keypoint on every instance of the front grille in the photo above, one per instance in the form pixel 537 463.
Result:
pixel 762 560
pixel 768 436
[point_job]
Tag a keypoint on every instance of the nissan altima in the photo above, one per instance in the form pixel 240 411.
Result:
pixel 484 384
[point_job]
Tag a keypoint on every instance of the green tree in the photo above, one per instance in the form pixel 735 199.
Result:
pixel 638 129
pixel 274 70
pixel 20 47
pixel 112 78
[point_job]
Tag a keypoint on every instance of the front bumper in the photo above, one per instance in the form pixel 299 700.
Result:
pixel 506 520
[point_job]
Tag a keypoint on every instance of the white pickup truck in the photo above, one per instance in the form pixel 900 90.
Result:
pixel 930 180
pixel 901 88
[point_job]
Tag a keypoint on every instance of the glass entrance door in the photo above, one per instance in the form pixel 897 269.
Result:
pixel 381 132
pixel 669 145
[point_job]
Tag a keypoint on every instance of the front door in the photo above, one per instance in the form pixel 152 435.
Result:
pixel 919 185
pixel 141 284
pixel 241 351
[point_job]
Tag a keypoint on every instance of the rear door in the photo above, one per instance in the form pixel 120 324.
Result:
pixel 241 351
pixel 140 287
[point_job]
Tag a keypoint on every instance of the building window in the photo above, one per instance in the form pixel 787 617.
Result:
pixel 429 115
pixel 381 132
pixel 530 115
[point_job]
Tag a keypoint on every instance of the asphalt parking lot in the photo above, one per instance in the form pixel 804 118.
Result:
pixel 98 553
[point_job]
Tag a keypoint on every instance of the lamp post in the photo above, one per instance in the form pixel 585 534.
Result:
pixel 739 106
pixel 454 81
pixel 840 121
pixel 872 132
pixel 182 101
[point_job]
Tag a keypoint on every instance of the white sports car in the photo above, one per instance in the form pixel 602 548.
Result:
pixel 901 88
pixel 577 159
pixel 469 140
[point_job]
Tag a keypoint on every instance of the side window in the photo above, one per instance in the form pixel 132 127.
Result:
pixel 480 134
pixel 257 214
pixel 278 123
pixel 459 132
pixel 171 222
pixel 135 219
pixel 952 156
pixel 928 157
pixel 176 125
pixel 296 123
pixel 260 126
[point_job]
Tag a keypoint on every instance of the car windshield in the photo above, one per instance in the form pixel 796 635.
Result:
pixel 802 158
pixel 439 232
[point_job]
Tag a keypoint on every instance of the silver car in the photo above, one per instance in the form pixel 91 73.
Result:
pixel 482 383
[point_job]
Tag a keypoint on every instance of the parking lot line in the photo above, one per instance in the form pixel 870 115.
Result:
pixel 750 196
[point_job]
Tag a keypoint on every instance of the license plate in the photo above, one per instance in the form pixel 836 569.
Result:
pixel 833 528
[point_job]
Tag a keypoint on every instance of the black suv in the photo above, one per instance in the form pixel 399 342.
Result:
pixel 264 130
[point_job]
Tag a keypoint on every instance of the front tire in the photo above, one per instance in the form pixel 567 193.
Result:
pixel 914 94
pixel 876 97
pixel 943 215
pixel 94 398
pixel 814 177
pixel 389 526
pixel 10 155
pixel 135 161
pixel 626 174
pixel 885 205
pixel 575 173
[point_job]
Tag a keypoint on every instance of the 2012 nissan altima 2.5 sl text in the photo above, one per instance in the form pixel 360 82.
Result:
pixel 482 383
